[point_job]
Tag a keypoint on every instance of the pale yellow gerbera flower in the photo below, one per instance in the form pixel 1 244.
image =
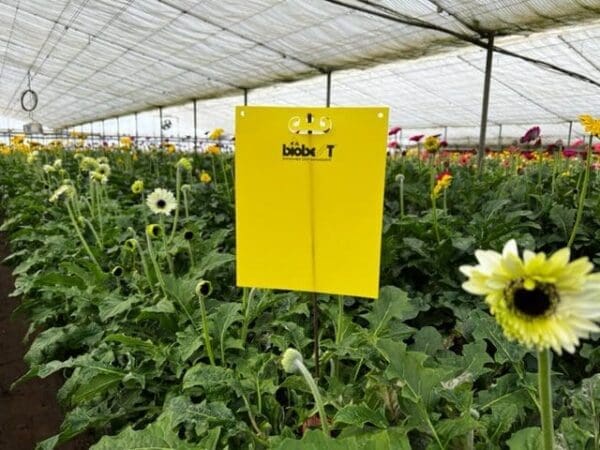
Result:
pixel 542 302
pixel 137 187
pixel 161 201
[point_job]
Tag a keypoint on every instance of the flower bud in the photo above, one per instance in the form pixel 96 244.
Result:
pixel 289 359
pixel 188 235
pixel 203 288
pixel 154 230
pixel 117 271
pixel 131 244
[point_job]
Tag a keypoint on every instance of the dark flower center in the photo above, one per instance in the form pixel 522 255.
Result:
pixel 161 203
pixel 533 303
pixel 118 271
pixel 188 235
pixel 205 288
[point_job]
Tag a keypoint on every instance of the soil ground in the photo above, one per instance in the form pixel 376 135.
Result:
pixel 29 413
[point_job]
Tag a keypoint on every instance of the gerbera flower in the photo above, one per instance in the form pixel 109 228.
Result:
pixel 542 302
pixel 153 230
pixel 137 187
pixel 530 135
pixel 204 177
pixel 185 164
pixel 66 189
pixel 103 169
pixel 432 144
pixel 590 124
pixel 443 181
pixel 213 149
pixel 216 133
pixel 161 201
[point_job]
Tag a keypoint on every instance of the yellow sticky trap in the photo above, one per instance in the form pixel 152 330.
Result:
pixel 309 198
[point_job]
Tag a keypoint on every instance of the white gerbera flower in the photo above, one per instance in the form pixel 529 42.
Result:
pixel 161 201
pixel 542 302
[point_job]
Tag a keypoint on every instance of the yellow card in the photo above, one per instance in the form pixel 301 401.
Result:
pixel 309 188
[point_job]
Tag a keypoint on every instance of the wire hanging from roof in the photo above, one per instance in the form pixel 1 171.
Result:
pixel 395 16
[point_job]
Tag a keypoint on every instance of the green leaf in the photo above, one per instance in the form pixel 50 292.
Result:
pixel 210 378
pixel 115 305
pixel 418 382
pixel 428 340
pixel 225 316
pixel 526 439
pixel 96 385
pixel 134 344
pixel 159 435
pixel 389 439
pixel 393 303
pixel 213 260
pixel 203 416
pixel 358 415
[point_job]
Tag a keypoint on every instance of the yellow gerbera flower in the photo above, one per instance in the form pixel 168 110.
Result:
pixel 542 302
pixel 213 149
pixel 205 177
pixel 216 133
pixel 432 144
pixel 590 124
pixel 444 180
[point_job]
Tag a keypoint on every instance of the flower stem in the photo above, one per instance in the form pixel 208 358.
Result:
pixel 225 178
pixel 582 193
pixel 247 296
pixel 80 236
pixel 185 204
pixel 545 393
pixel 316 394
pixel 206 331
pixel 178 194
pixel 401 199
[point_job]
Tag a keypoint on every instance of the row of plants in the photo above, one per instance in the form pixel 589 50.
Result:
pixel 124 263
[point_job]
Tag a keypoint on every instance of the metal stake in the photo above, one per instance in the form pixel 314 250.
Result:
pixel 570 132
pixel 486 102
pixel 195 125
pixel 160 119
pixel 500 137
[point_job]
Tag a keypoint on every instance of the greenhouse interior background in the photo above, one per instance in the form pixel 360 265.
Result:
pixel 299 224
pixel 115 68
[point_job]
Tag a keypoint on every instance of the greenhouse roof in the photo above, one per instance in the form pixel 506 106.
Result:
pixel 98 59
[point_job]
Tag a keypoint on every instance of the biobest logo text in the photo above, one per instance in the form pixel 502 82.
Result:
pixel 297 151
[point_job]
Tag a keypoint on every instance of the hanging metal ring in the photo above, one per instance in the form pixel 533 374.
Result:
pixel 34 100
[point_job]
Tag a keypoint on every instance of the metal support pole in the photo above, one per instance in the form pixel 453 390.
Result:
pixel 486 102
pixel 195 125
pixel 328 98
pixel 103 132
pixel 570 133
pixel 118 131
pixel 446 133
pixel 160 119
pixel 135 115
pixel 500 137
pixel 92 133
pixel 245 97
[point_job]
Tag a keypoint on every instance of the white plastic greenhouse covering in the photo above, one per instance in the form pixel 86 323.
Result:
pixel 99 59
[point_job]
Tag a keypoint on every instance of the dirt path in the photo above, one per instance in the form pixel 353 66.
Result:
pixel 30 412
